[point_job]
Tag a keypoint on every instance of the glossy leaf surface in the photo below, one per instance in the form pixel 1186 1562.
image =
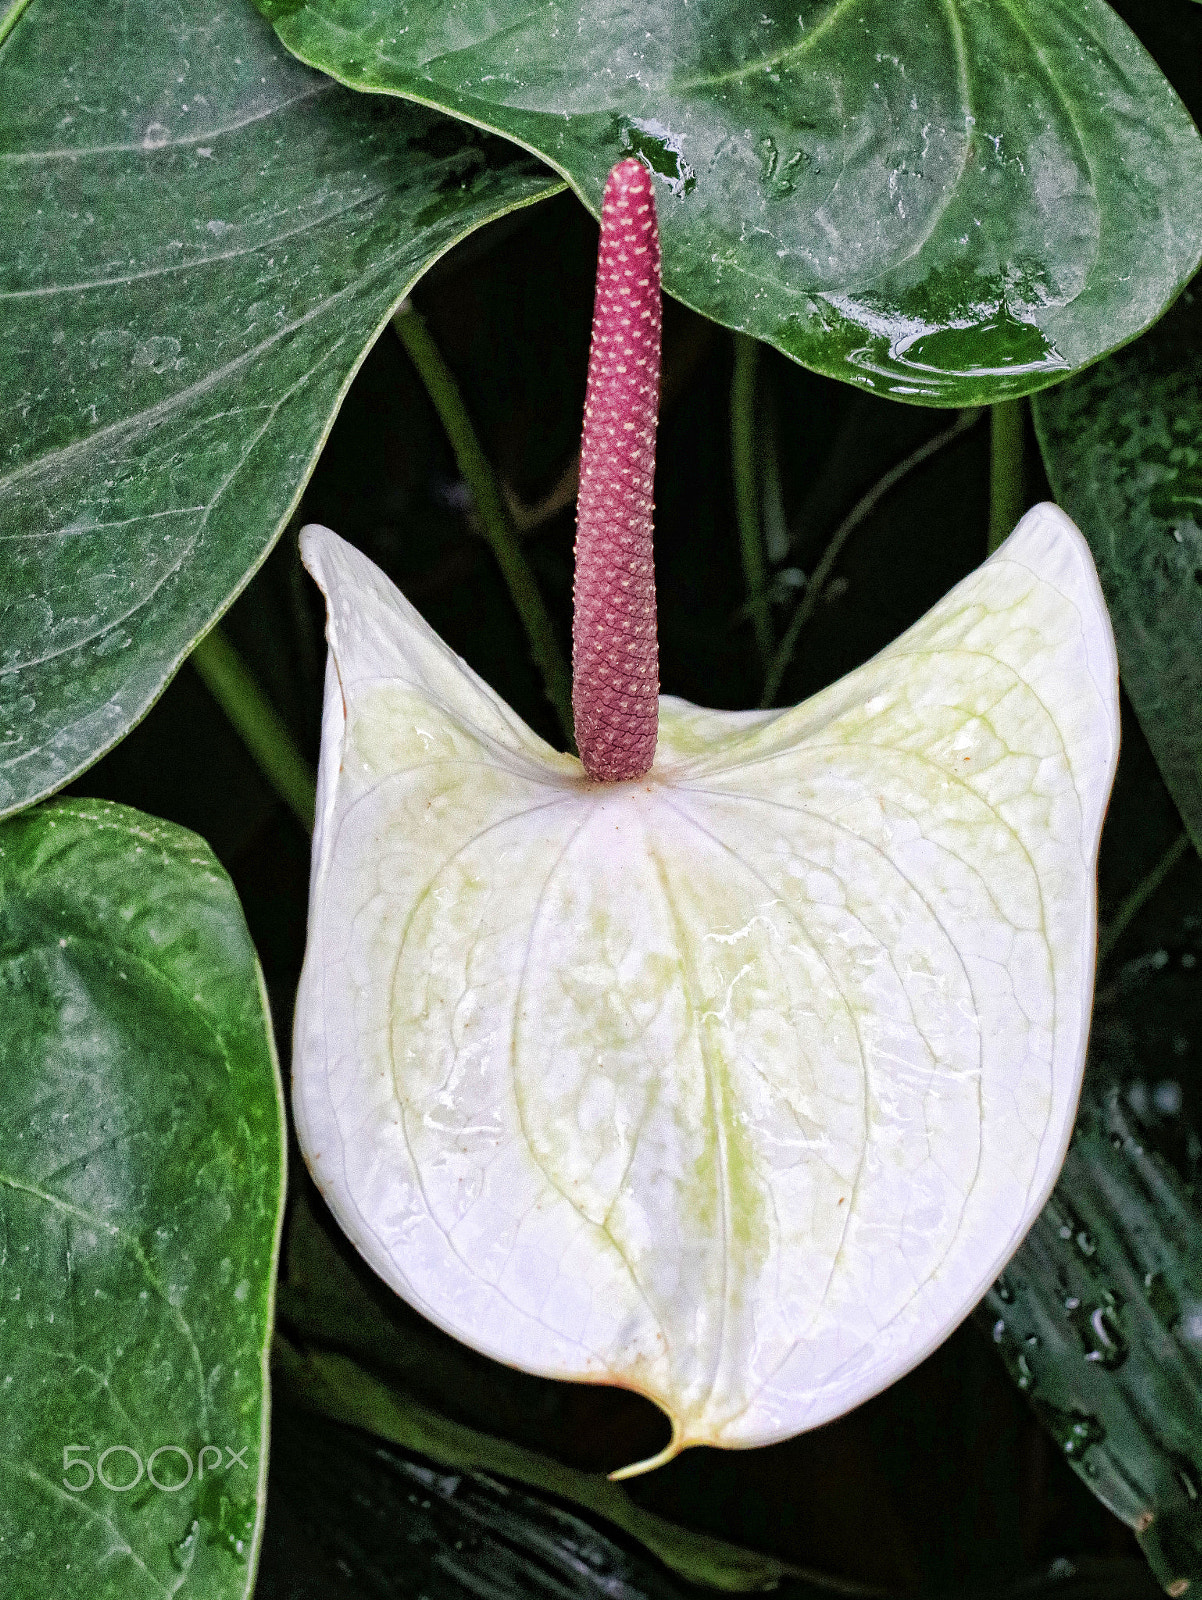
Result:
pixel 947 200
pixel 141 1189
pixel 329 1383
pixel 1123 449
pixel 369 1519
pixel 735 1085
pixel 1099 1321
pixel 202 239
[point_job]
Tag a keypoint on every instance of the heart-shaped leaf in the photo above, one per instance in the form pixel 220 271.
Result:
pixel 735 1085
pixel 946 200
pixel 141 1191
pixel 203 239
pixel 1123 449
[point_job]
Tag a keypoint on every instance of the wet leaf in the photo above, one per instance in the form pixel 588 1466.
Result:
pixel 203 240
pixel 371 1520
pixel 141 1189
pixel 735 1085
pixel 1099 1321
pixel 336 1386
pixel 1123 449
pixel 945 200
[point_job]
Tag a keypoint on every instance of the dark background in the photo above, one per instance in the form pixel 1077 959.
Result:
pixel 946 1483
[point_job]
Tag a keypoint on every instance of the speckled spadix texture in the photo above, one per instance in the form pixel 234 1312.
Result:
pixel 738 1084
pixel 615 656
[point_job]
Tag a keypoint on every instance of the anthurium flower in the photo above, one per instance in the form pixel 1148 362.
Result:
pixel 737 1080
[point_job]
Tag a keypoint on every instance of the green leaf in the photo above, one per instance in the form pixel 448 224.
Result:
pixel 353 1517
pixel 1099 1320
pixel 330 1383
pixel 1123 449
pixel 357 1517
pixel 203 239
pixel 949 201
pixel 398 1526
pixel 141 1190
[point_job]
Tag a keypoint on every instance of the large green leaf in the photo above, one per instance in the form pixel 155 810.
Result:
pixel 947 200
pixel 1093 1318
pixel 141 1187
pixel 373 1520
pixel 352 1517
pixel 202 239
pixel 1123 449
pixel 332 1384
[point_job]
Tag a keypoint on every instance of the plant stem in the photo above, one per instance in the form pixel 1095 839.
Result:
pixel 562 494
pixel 1007 424
pixel 862 509
pixel 1130 908
pixel 257 723
pixel 776 528
pixel 495 521
pixel 747 508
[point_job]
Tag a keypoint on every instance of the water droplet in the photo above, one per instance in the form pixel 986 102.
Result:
pixel 1190 1325
pixel 1166 1097
pixel 1075 1431
pixel 995 346
pixel 227 1522
pixel 183 1550
pixel 1163 1302
pixel 658 148
pixel 779 180
pixel 1178 497
pixel 1003 1290
pixel 1100 1335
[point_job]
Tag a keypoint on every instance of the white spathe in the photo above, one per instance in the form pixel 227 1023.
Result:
pixel 738 1084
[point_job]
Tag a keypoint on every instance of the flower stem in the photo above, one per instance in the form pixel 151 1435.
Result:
pixel 862 509
pixel 1130 908
pixel 257 723
pixel 1007 422
pixel 746 478
pixel 776 528
pixel 495 521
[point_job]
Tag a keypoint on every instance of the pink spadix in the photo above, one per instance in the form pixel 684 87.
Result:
pixel 615 657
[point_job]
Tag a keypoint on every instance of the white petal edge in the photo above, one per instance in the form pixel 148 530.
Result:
pixel 739 1085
